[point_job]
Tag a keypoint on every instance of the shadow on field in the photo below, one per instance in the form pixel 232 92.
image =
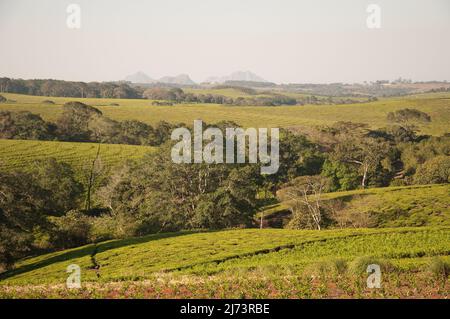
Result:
pixel 90 250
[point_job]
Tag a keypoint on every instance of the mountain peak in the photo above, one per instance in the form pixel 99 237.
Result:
pixel 142 78
pixel 139 77
pixel 182 79
pixel 237 76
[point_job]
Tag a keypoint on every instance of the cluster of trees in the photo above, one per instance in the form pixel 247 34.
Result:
pixel 357 157
pixel 79 122
pixel 179 96
pixel 70 89
pixel 28 202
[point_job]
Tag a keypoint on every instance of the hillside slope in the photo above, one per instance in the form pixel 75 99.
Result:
pixel 214 252
pixel 18 154
pixel 374 113
pixel 415 205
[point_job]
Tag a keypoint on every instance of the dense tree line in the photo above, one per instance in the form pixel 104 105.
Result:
pixel 163 94
pixel 179 96
pixel 69 89
pixel 79 122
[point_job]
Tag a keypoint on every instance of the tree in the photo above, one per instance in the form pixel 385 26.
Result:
pixel 164 196
pixel 24 125
pixel 57 180
pixel 93 172
pixel 298 156
pixel 135 133
pixel 104 130
pixel 73 123
pixel 407 118
pixel 304 195
pixel 161 133
pixel 21 210
pixel 342 176
pixel 434 171
pixel 364 152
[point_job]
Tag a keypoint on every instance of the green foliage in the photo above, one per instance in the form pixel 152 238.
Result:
pixel 74 122
pixel 24 125
pixel 439 268
pixel 58 181
pixel 160 195
pixel 360 264
pixel 340 265
pixel 434 171
pixel 71 230
pixel 415 154
pixel 21 209
pixel 407 115
pixel 342 176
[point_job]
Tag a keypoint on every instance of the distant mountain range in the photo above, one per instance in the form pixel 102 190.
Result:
pixel 142 78
pixel 237 76
pixel 139 77
pixel 184 79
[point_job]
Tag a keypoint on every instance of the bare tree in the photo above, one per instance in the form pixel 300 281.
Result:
pixel 305 198
pixel 93 170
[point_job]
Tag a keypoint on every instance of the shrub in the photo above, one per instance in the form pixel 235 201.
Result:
pixel 71 230
pixel 359 265
pixel 340 265
pixel 48 102
pixel 2 99
pixel 439 268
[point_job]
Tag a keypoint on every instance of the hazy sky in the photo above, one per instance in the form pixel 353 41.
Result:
pixel 280 40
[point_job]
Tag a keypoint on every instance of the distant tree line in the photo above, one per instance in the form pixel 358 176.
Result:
pixel 177 95
pixel 79 122
pixel 164 95
pixel 69 89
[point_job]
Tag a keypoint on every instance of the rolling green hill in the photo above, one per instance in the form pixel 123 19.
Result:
pixel 17 154
pixel 374 113
pixel 235 256
pixel 415 205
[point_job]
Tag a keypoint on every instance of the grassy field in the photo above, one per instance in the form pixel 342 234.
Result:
pixel 240 263
pixel 18 154
pixel 416 205
pixel 374 113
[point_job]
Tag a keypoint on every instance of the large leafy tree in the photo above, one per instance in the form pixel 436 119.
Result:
pixel 159 195
pixel 27 200
pixel 24 125
pixel 73 123
pixel 365 153
pixel 57 181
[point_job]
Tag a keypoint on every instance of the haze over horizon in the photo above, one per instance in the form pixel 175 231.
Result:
pixel 285 41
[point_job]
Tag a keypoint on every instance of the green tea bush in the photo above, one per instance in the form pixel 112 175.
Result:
pixel 439 268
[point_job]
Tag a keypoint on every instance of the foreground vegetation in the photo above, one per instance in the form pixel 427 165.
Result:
pixel 245 263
